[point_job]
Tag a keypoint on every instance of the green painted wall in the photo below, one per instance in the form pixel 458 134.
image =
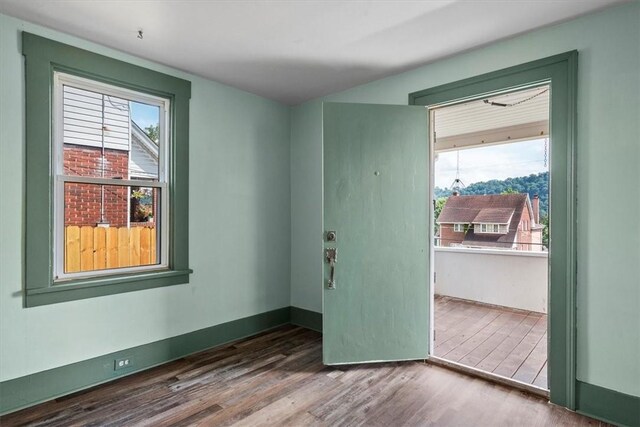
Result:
pixel 608 178
pixel 239 227
pixel 253 196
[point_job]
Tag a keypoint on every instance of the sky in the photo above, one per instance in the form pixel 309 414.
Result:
pixel 492 162
pixel 145 115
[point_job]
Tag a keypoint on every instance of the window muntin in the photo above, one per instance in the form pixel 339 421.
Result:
pixel 491 228
pixel 458 227
pixel 103 157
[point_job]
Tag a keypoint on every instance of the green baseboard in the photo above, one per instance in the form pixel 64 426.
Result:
pixel 306 318
pixel 29 390
pixel 607 405
pixel 15 394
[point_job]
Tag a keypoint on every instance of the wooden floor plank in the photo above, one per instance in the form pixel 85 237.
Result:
pixel 507 342
pixel 278 378
pixel 541 378
pixel 531 366
pixel 521 352
pixel 448 339
pixel 494 355
pixel 494 334
pixel 481 352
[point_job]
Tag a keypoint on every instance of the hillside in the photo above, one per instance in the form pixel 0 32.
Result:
pixel 532 184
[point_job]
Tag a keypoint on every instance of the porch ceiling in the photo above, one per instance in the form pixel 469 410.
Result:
pixel 505 118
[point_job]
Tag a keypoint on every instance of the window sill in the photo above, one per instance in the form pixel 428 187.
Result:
pixel 107 285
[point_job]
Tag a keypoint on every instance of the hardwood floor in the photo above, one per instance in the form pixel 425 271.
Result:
pixel 277 378
pixel 506 342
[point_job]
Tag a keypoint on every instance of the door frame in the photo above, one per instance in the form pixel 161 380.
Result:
pixel 561 73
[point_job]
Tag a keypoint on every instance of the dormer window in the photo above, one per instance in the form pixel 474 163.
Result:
pixel 491 228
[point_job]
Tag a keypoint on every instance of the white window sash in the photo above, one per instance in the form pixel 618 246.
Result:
pixel 61 79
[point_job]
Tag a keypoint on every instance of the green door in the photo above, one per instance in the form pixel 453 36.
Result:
pixel 376 191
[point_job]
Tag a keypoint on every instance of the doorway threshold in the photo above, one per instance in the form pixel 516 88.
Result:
pixel 510 382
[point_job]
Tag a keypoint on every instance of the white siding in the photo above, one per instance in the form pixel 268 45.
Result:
pixel 141 163
pixel 82 112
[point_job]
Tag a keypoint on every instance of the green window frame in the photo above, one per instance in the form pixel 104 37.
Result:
pixel 43 58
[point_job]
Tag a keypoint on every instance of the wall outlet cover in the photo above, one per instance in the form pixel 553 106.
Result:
pixel 122 363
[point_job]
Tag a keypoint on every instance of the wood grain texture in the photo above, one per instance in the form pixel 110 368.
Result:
pixel 277 378
pixel 91 248
pixel 506 342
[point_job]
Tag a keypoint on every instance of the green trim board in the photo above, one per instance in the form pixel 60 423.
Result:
pixel 105 286
pixel 607 405
pixel 306 318
pixel 560 72
pixel 19 393
pixel 29 390
pixel 42 58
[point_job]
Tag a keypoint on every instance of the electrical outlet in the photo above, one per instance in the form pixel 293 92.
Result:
pixel 123 363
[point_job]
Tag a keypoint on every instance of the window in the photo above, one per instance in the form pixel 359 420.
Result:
pixel 491 228
pixel 458 228
pixel 106 191
pixel 110 179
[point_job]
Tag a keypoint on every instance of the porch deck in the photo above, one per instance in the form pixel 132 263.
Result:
pixel 507 342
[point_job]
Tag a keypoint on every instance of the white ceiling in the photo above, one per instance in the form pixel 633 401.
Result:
pixel 292 51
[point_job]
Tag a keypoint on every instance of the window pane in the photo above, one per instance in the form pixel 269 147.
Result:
pixel 109 226
pixel 109 137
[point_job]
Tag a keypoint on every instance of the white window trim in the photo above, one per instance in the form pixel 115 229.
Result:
pixel 483 228
pixel 59 80
pixel 458 227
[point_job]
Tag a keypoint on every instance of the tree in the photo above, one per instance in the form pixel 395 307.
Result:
pixel 544 220
pixel 437 208
pixel 532 184
pixel 153 132
pixel 510 191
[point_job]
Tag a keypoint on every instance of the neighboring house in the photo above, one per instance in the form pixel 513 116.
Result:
pixel 101 140
pixel 504 221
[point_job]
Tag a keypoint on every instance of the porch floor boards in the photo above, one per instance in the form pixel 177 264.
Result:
pixel 508 342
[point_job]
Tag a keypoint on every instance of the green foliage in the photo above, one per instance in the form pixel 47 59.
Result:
pixel 532 184
pixel 153 132
pixel 437 208
pixel 509 191
pixel 544 220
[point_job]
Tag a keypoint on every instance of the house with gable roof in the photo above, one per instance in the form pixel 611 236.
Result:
pixel 497 221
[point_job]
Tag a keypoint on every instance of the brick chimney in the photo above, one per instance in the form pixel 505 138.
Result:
pixel 536 208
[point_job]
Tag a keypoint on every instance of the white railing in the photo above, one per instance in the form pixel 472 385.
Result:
pixel 516 279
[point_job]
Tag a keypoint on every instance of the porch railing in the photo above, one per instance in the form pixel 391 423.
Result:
pixel 516 279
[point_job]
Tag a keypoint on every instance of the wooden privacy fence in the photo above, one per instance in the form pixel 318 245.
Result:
pixel 97 248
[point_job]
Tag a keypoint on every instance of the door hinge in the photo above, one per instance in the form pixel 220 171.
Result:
pixel 434 335
pixel 434 277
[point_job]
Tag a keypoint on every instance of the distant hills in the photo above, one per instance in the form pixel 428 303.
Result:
pixel 532 184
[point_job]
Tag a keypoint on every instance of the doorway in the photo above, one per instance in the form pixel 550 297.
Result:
pixel 377 247
pixel 489 299
pixel 560 72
